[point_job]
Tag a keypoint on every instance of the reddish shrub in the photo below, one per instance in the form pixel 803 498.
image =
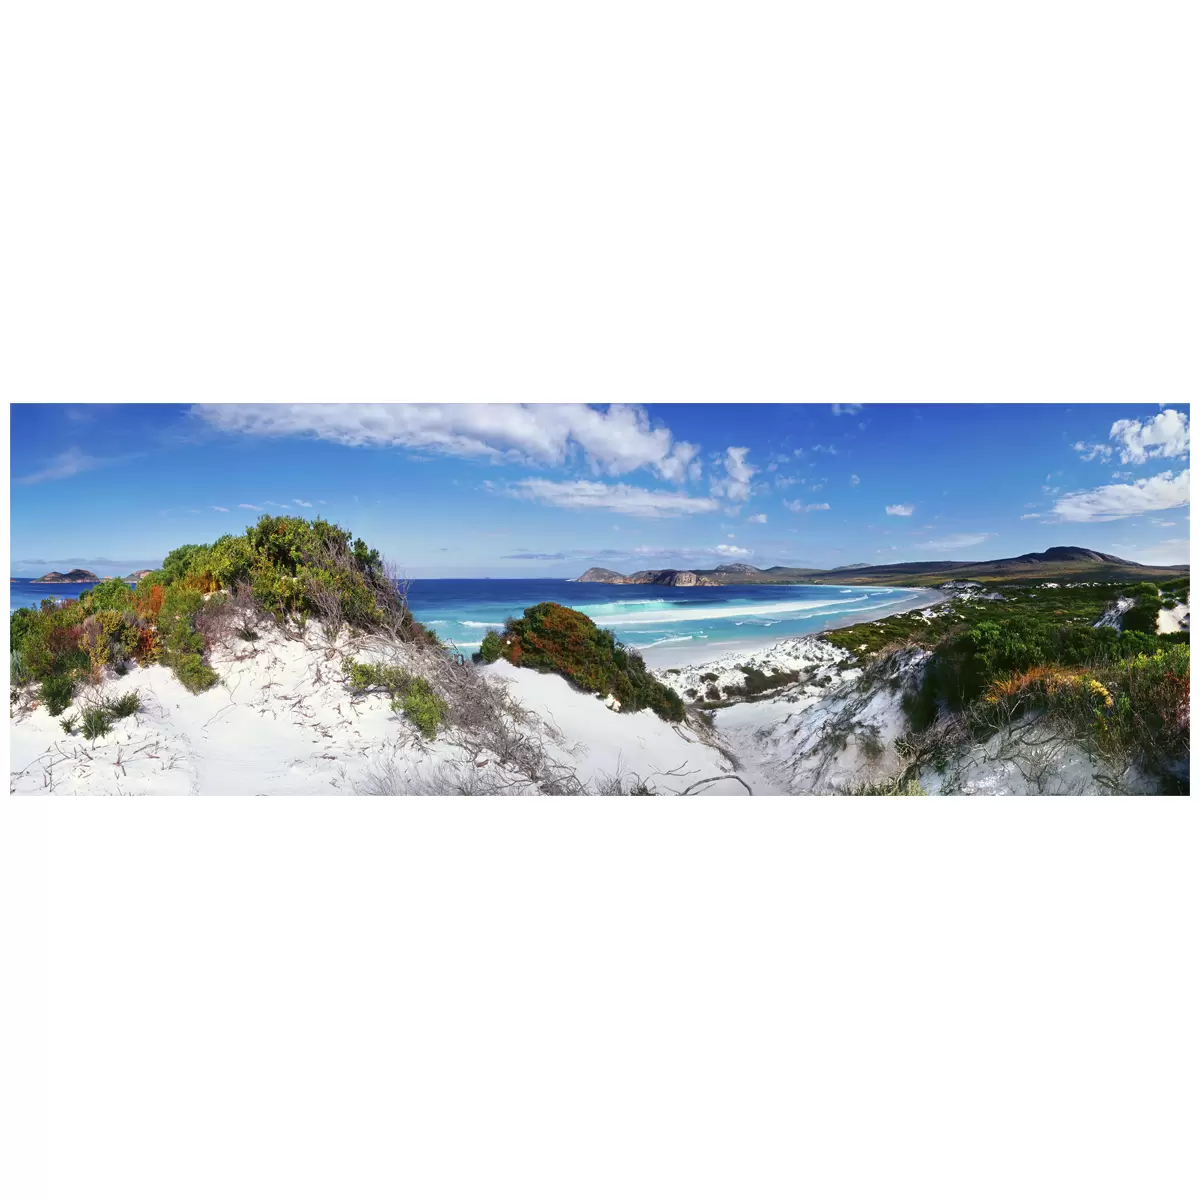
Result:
pixel 63 641
pixel 150 604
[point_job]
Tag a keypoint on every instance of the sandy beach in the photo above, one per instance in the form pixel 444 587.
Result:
pixel 695 651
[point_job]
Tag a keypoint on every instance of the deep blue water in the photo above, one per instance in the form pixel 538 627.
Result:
pixel 462 610
pixel 25 594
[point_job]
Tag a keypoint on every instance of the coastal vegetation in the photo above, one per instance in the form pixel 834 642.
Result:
pixel 1119 688
pixel 284 568
pixel 553 638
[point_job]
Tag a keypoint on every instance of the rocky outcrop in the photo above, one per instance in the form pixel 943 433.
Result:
pixel 672 579
pixel 652 578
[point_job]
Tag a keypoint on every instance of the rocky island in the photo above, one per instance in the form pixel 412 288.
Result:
pixel 76 576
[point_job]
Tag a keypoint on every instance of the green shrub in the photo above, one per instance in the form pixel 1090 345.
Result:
pixel 491 647
pixel 56 693
pixel 111 594
pixel 556 639
pixel 68 725
pixel 179 564
pixel 1145 588
pixel 367 677
pixel 194 673
pixel 1142 617
pixel 96 723
pixel 124 706
pixel 182 643
pixel 422 706
pixel 758 681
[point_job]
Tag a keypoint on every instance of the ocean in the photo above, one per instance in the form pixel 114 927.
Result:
pixel 683 624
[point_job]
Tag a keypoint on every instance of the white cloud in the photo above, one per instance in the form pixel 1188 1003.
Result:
pixel 1172 552
pixel 612 497
pixel 613 440
pixel 1165 435
pixel 798 506
pixel 1116 500
pixel 954 541
pixel 64 465
pixel 738 472
pixel 825 449
pixel 855 481
pixel 900 510
pixel 218 508
pixel 846 410
pixel 757 519
pixel 723 549
pixel 303 503
pixel 1087 451
pixel 1163 524
pixel 253 507
pixel 1030 516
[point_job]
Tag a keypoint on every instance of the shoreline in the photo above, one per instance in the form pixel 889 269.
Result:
pixel 665 655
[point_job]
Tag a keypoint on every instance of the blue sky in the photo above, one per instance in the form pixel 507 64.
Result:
pixel 547 490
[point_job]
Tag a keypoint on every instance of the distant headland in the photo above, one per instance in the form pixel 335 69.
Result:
pixel 1067 562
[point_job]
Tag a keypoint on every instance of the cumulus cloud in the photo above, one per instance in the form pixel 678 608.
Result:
pixel 303 503
pixel 724 549
pixel 252 507
pixel 611 441
pixel 757 519
pixel 798 506
pixel 846 410
pixel 900 510
pixel 819 449
pixel 735 483
pixel 1165 435
pixel 855 481
pixel 954 541
pixel 1030 516
pixel 218 508
pixel 621 498
pixel 1114 501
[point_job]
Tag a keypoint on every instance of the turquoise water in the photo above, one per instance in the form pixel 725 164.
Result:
pixel 687 620
pixel 657 619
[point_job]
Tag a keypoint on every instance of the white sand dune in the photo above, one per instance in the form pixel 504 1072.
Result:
pixel 281 721
pixel 1174 620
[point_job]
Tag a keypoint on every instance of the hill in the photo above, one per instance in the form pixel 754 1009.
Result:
pixel 1058 563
